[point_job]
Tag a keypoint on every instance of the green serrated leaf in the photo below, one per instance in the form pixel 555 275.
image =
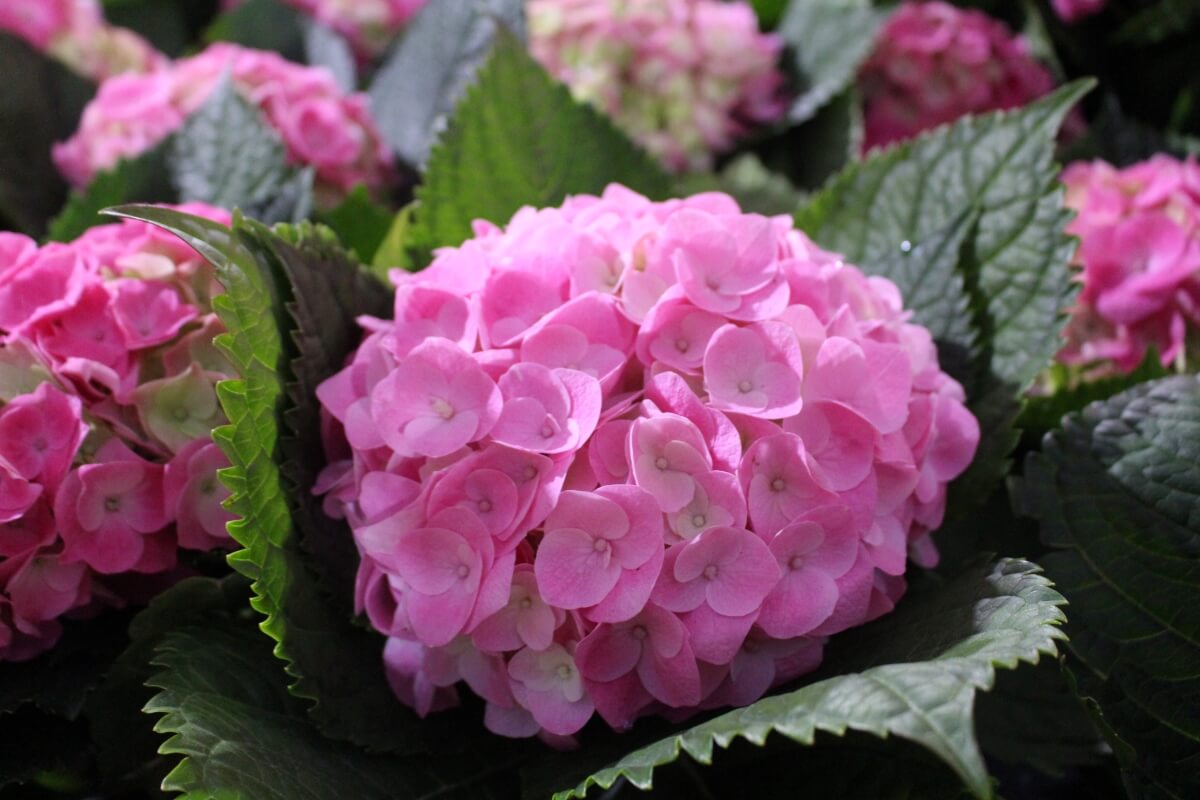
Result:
pixel 516 139
pixel 1117 493
pixel 140 180
pixel 828 40
pixel 242 735
pixel 360 223
pixel 124 742
pixel 1012 265
pixel 226 155
pixel 419 85
pixel 933 288
pixel 272 281
pixel 919 671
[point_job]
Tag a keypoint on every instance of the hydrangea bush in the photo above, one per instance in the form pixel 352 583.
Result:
pixel 1139 262
pixel 107 469
pixel 623 457
pixel 684 78
pixel 934 62
pixel 75 33
pixel 320 125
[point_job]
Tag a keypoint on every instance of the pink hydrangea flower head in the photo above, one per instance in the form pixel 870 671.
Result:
pixel 106 462
pixel 436 401
pixel 706 444
pixel 75 33
pixel 319 125
pixel 685 78
pixel 1139 262
pixel 934 63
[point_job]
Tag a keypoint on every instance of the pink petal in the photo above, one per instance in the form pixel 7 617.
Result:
pixel 607 653
pixel 571 572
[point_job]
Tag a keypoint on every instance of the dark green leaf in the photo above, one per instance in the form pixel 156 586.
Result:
pixel 519 139
pixel 163 23
pixel 262 25
pixel 125 743
pixel 854 766
pixel 142 180
pixel 1117 492
pixel 1032 717
pixel 1013 264
pixel 828 41
pixel 1044 412
pixel 226 155
pixel 360 223
pixel 417 88
pixel 827 142
pixel 769 12
pixel 913 674
pixel 928 277
pixel 1159 20
pixel 241 734
pixel 41 104
pixel 272 281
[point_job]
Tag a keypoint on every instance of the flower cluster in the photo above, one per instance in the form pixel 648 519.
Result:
pixel 106 407
pixel 369 25
pixel 934 63
pixel 320 126
pixel 1073 10
pixel 1139 252
pixel 684 78
pixel 627 457
pixel 75 33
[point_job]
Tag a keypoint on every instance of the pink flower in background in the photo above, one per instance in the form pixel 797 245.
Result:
pixel 319 125
pixel 1073 10
pixel 691 446
pixel 107 403
pixel 1139 262
pixel 934 63
pixel 684 78
pixel 75 33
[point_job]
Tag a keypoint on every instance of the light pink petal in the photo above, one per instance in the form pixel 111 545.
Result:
pixel 801 601
pixel 716 638
pixel 571 571
pixel 437 619
pixel 631 592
